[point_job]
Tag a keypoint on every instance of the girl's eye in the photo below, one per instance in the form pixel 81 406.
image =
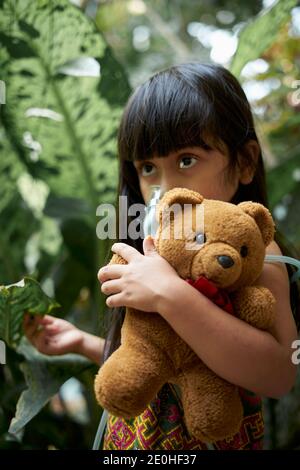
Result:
pixel 200 238
pixel 187 162
pixel 146 169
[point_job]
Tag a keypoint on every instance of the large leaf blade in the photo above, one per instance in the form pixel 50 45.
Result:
pixel 260 34
pixel 44 376
pixel 15 300
pixel 77 154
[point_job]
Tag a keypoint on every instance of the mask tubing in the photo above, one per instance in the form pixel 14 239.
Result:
pixel 285 259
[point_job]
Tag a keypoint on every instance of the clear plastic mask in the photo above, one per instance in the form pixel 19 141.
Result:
pixel 150 224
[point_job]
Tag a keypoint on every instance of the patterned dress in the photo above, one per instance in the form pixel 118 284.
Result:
pixel 161 427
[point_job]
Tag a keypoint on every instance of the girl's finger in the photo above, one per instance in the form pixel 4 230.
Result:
pixel 29 320
pixel 115 301
pixel 29 328
pixel 35 338
pixel 51 329
pixel 26 321
pixel 46 319
pixel 111 287
pixel 111 271
pixel 126 251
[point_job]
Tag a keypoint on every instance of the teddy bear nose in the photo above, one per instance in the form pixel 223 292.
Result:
pixel 225 261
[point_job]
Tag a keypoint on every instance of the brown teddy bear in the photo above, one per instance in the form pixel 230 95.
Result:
pixel 229 256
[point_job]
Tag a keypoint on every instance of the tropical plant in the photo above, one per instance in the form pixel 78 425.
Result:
pixel 64 95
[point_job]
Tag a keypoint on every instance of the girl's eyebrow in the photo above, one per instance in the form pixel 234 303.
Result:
pixel 173 154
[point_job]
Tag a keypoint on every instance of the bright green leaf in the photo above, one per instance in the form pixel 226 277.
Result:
pixel 260 34
pixel 62 116
pixel 15 300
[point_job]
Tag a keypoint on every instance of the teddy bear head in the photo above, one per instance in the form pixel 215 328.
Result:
pixel 221 241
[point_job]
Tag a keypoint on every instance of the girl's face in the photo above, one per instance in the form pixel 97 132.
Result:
pixel 202 170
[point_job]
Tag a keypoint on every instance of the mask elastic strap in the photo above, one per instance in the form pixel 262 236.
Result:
pixel 288 260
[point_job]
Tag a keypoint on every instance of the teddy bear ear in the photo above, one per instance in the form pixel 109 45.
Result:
pixel 262 217
pixel 177 196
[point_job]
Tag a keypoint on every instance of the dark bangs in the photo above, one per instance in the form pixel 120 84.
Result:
pixel 163 116
pixel 180 107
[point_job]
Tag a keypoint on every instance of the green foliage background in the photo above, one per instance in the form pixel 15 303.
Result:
pixel 68 72
pixel 54 172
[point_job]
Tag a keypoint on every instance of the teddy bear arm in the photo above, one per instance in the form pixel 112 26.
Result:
pixel 255 305
pixel 129 379
pixel 117 259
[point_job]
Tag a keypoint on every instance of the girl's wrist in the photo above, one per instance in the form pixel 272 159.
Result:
pixel 90 346
pixel 172 294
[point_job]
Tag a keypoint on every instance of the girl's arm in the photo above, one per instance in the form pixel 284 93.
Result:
pixel 56 336
pixel 257 360
pixel 91 346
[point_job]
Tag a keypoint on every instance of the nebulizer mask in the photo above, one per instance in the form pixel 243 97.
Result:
pixel 150 227
pixel 150 223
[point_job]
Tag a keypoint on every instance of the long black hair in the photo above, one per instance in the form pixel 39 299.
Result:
pixel 193 104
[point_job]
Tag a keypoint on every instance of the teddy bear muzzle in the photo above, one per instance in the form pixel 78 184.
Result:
pixel 219 263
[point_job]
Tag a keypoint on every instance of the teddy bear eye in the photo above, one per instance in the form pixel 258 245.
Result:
pixel 200 238
pixel 244 251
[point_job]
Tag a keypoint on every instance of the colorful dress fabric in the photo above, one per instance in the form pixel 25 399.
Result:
pixel 161 427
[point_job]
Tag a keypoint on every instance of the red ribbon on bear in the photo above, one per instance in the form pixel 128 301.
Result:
pixel 217 295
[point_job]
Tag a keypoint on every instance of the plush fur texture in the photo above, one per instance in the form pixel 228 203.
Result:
pixel 151 353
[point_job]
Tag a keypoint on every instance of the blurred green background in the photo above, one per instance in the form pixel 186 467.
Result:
pixel 66 71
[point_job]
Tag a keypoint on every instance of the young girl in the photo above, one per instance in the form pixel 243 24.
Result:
pixel 188 126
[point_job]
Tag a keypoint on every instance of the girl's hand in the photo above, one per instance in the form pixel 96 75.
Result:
pixel 51 335
pixel 140 284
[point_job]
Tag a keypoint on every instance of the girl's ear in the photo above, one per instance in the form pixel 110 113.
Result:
pixel 251 148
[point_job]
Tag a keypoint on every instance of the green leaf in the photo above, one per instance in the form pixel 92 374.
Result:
pixel 66 207
pixel 15 300
pixel 17 224
pixel 10 170
pixel 63 126
pixel 260 34
pixel 44 376
pixel 65 92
